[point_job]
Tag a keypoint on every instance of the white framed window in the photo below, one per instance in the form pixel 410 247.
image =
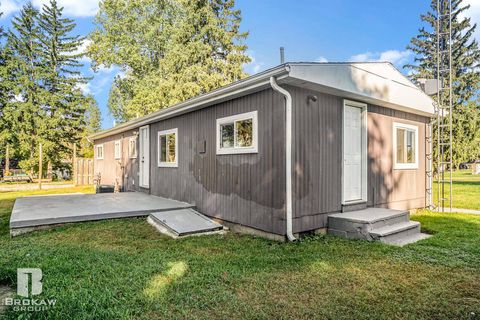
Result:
pixel 405 146
pixel 167 146
pixel 132 147
pixel 237 134
pixel 118 149
pixel 99 151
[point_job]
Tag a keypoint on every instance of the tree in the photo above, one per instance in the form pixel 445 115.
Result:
pixel 65 104
pixel 45 103
pixel 179 49
pixel 23 113
pixel 4 131
pixel 93 121
pixel 465 71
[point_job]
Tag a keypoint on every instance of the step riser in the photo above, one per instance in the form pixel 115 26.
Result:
pixel 376 224
pixel 391 238
pixel 405 217
pixel 364 228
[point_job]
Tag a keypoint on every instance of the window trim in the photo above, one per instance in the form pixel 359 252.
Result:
pixel 96 151
pixel 167 164
pixel 134 139
pixel 238 117
pixel 119 156
pixel 409 127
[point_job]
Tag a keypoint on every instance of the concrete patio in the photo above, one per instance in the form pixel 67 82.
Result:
pixel 30 213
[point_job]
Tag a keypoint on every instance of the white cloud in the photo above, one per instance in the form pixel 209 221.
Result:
pixel 82 49
pixel 85 87
pixel 102 69
pixel 9 6
pixel 474 14
pixel 254 66
pixel 394 56
pixel 73 8
pixel 321 59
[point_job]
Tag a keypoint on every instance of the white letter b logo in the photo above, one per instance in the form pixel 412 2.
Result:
pixel 22 281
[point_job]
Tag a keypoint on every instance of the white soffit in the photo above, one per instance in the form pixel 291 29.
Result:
pixel 377 83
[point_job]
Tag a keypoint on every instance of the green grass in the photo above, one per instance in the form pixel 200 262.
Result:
pixel 124 269
pixel 465 189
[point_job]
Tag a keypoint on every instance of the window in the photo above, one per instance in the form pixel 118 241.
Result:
pixel 118 149
pixel 405 139
pixel 99 151
pixel 237 134
pixel 168 148
pixel 132 148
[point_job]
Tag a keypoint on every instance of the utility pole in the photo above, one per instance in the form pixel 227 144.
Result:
pixel 7 162
pixel 75 180
pixel 444 103
pixel 40 165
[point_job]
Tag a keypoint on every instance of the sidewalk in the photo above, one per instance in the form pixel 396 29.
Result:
pixel 33 186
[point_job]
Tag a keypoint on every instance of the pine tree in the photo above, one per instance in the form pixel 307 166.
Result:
pixel 24 112
pixel 187 48
pixel 93 121
pixel 465 71
pixel 65 104
pixel 4 132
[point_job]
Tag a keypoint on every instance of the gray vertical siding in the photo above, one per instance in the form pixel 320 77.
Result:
pixel 111 169
pixel 396 189
pixel 318 159
pixel 249 189
pixel 242 188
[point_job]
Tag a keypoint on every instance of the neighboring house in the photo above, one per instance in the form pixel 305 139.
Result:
pixel 283 148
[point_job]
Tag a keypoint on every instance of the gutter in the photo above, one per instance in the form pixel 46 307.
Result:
pixel 288 155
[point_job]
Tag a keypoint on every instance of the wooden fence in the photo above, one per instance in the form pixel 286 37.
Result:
pixel 83 171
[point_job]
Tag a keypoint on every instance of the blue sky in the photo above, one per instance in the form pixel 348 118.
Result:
pixel 310 30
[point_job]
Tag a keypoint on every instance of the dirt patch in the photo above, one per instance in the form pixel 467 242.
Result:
pixel 5 292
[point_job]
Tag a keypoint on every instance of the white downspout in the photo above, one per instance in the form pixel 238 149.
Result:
pixel 288 154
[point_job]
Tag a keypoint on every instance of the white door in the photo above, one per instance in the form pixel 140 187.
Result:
pixel 352 154
pixel 144 156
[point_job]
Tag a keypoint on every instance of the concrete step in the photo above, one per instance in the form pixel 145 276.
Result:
pixel 396 233
pixel 376 224
pixel 363 221
pixel 410 239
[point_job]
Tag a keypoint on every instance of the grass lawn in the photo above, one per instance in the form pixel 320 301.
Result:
pixel 466 190
pixel 124 269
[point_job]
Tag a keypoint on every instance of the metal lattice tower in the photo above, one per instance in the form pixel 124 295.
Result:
pixel 444 103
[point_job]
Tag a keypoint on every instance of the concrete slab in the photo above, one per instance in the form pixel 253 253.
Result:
pixel 5 292
pixel 50 210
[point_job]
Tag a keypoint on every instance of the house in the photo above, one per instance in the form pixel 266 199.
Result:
pixel 278 152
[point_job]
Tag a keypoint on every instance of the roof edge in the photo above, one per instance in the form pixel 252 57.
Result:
pixel 237 87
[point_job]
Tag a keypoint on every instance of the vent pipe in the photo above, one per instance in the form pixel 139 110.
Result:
pixel 282 55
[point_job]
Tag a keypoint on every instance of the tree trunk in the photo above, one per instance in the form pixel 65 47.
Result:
pixel 7 162
pixel 40 165
pixel 49 170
